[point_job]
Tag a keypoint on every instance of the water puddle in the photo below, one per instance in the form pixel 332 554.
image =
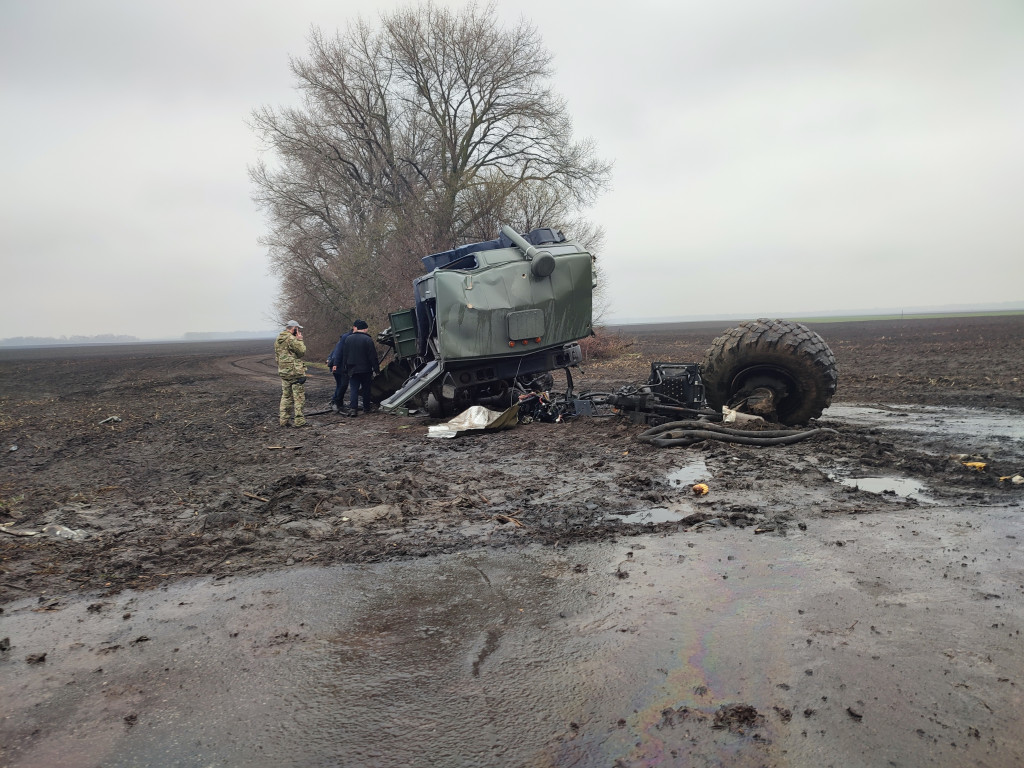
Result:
pixel 415 663
pixel 655 515
pixel 683 477
pixel 904 487
pixel 695 471
pixel 622 654
pixel 934 420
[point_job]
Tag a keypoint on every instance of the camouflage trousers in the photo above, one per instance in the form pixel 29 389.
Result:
pixel 293 397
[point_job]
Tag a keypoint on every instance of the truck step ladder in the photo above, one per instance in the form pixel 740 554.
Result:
pixel 418 382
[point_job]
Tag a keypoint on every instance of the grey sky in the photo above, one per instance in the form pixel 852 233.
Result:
pixel 770 157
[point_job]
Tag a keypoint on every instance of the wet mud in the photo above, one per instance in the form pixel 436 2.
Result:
pixel 193 492
pixel 860 641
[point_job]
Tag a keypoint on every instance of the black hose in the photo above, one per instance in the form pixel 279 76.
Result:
pixel 681 410
pixel 697 435
pixel 709 427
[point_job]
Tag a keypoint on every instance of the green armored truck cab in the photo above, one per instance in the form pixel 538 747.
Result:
pixel 489 318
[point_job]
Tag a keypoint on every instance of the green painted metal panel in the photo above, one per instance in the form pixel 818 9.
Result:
pixel 527 324
pixel 473 307
pixel 403 326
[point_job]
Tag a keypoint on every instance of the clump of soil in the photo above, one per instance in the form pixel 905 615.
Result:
pixel 737 718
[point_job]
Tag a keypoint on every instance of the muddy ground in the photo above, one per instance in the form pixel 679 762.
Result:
pixel 549 595
pixel 196 477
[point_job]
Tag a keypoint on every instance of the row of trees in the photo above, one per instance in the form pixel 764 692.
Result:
pixel 413 136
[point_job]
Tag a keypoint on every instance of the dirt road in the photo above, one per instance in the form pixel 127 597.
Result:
pixel 195 478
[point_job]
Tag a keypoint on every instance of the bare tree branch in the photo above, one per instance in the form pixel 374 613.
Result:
pixel 413 136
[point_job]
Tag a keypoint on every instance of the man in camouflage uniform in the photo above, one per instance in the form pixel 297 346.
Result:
pixel 290 350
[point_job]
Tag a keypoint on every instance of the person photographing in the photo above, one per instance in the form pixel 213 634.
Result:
pixel 289 350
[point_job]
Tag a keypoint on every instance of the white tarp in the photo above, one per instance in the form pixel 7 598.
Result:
pixel 476 417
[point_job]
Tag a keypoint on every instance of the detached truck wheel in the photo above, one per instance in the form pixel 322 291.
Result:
pixel 780 363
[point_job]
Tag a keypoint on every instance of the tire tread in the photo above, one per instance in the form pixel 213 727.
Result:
pixel 809 359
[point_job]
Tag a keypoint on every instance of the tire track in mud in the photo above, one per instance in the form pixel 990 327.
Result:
pixel 262 367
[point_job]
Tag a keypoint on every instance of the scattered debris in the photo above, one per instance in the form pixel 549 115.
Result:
pixel 17 531
pixel 13 448
pixel 35 658
pixel 977 466
pixel 730 416
pixel 111 420
pixel 254 496
pixel 700 489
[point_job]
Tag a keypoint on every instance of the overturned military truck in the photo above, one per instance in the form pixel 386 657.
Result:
pixel 489 318
pixel 492 320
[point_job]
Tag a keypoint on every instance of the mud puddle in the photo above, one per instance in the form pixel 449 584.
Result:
pixel 655 515
pixel 888 485
pixel 933 420
pixel 722 648
pixel 693 471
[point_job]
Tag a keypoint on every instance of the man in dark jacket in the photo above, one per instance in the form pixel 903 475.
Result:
pixel 337 366
pixel 360 358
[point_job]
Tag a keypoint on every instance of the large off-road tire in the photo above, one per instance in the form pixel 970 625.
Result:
pixel 786 357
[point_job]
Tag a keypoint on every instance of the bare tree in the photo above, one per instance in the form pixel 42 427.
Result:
pixel 412 137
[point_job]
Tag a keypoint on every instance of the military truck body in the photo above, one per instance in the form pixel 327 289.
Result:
pixel 492 319
pixel 487 314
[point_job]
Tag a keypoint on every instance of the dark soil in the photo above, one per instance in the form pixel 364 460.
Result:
pixel 196 477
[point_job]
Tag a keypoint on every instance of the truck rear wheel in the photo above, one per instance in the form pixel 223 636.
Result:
pixel 438 407
pixel 785 359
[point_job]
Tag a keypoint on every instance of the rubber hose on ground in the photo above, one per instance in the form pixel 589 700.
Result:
pixel 701 425
pixel 695 411
pixel 696 436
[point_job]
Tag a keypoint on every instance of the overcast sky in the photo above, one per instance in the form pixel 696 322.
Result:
pixel 771 158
